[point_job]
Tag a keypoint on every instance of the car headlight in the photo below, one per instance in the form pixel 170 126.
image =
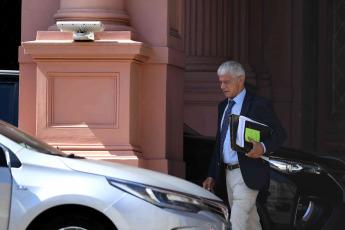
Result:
pixel 170 199
pixel 291 167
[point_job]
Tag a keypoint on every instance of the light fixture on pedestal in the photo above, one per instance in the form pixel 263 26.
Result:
pixel 82 30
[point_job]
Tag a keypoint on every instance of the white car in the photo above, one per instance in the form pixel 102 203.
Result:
pixel 43 188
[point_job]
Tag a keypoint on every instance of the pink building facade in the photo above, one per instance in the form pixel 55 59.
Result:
pixel 126 96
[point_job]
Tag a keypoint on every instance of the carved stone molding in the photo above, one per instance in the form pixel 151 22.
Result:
pixel 208 33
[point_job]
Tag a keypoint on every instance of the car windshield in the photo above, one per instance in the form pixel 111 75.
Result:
pixel 28 141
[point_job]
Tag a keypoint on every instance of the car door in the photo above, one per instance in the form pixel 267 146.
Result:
pixel 5 190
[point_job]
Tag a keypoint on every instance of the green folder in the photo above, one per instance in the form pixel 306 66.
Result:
pixel 253 128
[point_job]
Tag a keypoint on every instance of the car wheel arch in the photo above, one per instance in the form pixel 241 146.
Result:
pixel 71 209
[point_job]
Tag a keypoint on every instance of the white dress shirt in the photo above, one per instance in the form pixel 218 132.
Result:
pixel 229 155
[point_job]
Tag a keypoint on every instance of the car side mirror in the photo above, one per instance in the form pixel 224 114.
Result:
pixel 3 159
pixel 8 158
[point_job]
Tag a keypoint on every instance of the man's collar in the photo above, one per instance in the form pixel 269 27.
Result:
pixel 240 97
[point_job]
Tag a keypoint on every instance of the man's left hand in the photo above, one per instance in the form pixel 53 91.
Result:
pixel 257 149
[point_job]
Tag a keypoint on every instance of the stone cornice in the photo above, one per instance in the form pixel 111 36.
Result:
pixel 54 45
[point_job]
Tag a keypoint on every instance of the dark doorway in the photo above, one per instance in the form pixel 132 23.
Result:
pixel 9 67
pixel 331 125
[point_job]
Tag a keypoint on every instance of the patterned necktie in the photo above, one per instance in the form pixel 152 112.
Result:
pixel 225 124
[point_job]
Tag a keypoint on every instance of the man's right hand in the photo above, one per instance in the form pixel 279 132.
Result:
pixel 209 184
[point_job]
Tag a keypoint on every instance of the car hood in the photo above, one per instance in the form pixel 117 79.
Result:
pixel 308 156
pixel 138 175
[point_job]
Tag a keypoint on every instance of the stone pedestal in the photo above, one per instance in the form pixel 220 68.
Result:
pixel 88 93
pixel 113 99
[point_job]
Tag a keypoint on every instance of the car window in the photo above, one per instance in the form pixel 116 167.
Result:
pixel 27 141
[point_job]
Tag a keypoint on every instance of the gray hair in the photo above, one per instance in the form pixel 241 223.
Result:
pixel 231 67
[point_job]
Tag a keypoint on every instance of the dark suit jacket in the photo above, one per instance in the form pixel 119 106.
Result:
pixel 255 172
